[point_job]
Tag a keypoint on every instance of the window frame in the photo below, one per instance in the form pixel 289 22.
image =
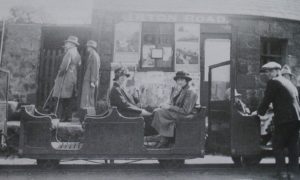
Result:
pixel 268 41
pixel 156 68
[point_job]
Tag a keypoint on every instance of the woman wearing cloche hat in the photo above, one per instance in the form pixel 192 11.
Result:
pixel 181 104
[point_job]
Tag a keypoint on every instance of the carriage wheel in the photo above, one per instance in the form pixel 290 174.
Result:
pixel 47 163
pixel 171 163
pixel 237 160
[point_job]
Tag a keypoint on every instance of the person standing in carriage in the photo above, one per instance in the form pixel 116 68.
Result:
pixel 284 97
pixel 65 86
pixel 182 103
pixel 91 78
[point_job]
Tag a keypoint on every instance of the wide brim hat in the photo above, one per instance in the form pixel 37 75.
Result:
pixel 270 66
pixel 121 71
pixel 286 70
pixel 73 39
pixel 182 75
pixel 92 44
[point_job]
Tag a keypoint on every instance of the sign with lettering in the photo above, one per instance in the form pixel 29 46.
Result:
pixel 175 17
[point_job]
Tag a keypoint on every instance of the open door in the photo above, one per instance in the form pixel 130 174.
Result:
pixel 219 111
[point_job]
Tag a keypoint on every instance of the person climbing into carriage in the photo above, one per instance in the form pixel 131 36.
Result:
pixel 181 104
pixel 238 103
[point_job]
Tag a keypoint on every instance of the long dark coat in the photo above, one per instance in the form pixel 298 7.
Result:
pixel 66 80
pixel 91 75
pixel 125 103
pixel 284 96
pixel 182 105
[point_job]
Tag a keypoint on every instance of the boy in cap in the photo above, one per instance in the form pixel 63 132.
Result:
pixel 284 97
pixel 91 77
pixel 238 104
pixel 65 86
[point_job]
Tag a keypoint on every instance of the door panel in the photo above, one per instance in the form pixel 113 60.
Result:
pixel 219 109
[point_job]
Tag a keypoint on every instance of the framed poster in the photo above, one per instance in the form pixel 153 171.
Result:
pixel 127 42
pixel 147 60
pixel 187 47
pixel 156 53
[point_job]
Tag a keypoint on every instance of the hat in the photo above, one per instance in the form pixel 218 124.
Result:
pixel 270 65
pixel 92 44
pixel 228 93
pixel 286 70
pixel 73 39
pixel 121 71
pixel 182 75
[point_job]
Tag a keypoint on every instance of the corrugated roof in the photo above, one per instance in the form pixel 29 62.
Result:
pixel 286 9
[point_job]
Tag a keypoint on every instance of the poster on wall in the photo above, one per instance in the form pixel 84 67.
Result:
pixel 187 46
pixel 147 60
pixel 127 42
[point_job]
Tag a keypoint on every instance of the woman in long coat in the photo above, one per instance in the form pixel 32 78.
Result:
pixel 91 77
pixel 181 104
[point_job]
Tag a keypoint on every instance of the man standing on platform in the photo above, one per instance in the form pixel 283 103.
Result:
pixel 65 87
pixel 284 97
pixel 91 78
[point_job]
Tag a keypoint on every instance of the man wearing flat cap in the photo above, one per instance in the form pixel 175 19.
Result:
pixel 125 103
pixel 284 97
pixel 91 77
pixel 65 87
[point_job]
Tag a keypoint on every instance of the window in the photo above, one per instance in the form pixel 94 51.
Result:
pixel 157 37
pixel 273 49
pixel 211 46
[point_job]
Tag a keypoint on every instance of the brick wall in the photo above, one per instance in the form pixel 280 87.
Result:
pixel 21 57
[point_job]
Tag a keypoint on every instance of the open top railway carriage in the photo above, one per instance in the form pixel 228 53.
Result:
pixel 219 47
pixel 113 136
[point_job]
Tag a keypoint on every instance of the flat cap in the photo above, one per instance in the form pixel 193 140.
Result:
pixel 270 65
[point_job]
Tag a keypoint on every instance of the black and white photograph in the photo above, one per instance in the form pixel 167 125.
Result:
pixel 149 89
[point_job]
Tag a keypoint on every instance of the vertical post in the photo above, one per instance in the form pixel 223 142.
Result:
pixel 2 40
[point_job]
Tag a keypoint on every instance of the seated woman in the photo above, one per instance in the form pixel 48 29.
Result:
pixel 127 104
pixel 181 104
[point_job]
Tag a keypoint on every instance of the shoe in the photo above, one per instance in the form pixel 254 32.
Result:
pixel 282 176
pixel 291 176
pixel 163 143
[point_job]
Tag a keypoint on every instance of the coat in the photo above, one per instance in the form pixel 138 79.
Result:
pixel 182 104
pixel 126 104
pixel 66 80
pixel 284 96
pixel 91 75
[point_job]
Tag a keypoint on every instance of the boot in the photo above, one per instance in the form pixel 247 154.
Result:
pixel 163 143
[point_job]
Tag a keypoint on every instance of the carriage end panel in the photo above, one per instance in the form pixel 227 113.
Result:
pixel 245 135
pixel 191 135
pixel 114 134
pixel 35 134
